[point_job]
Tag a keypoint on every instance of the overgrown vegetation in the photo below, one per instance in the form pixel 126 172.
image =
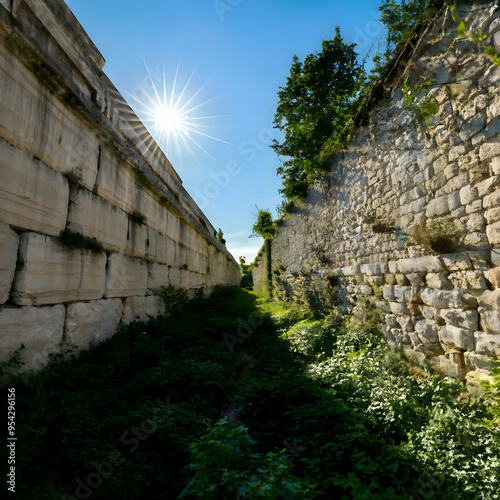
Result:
pixel 314 112
pixel 323 411
pixel 438 235
pixel 73 239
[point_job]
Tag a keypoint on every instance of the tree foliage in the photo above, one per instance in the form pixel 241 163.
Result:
pixel 314 110
pixel 264 225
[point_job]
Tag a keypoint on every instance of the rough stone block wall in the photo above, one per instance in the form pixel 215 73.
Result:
pixel 409 215
pixel 74 156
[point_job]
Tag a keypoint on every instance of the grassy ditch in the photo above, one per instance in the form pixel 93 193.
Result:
pixel 320 411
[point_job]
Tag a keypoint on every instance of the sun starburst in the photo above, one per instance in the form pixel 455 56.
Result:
pixel 172 115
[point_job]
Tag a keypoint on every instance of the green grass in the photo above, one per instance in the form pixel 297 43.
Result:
pixel 330 412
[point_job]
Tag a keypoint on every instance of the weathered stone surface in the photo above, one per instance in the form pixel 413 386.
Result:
pixel 443 205
pixel 377 269
pixel 91 323
pixel 468 280
pixel 493 233
pixel 493 276
pixel 438 280
pixel 487 343
pixel 32 195
pixel 9 241
pixel 478 362
pixel 51 273
pixel 40 329
pixel 426 264
pixel 125 276
pixel 142 308
pixel 490 301
pixel 462 318
pixel 445 298
pixel 495 256
pixel 34 120
pixel 399 308
pixel 453 337
pixel 94 217
pixel 490 321
pixel 158 276
pixel 457 261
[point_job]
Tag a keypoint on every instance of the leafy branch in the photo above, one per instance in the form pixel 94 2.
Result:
pixel 478 37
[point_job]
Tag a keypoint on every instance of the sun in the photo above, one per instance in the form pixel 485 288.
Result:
pixel 168 119
pixel 171 113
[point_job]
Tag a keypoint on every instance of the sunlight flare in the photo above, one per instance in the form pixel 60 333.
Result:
pixel 171 114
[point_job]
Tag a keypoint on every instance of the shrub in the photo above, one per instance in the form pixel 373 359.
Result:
pixel 438 236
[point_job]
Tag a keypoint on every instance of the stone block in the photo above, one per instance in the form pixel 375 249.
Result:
pixel 457 261
pixel 416 279
pixel 492 200
pixel 91 323
pixel 402 280
pixel 468 280
pixel 461 318
pixel 480 259
pixel 438 280
pixel 9 241
pixel 489 300
pixel 36 121
pixel 32 195
pixel 50 273
pixel 40 329
pixel 443 205
pixel 158 276
pixel 493 276
pixel 375 280
pixel 160 247
pixel 489 151
pixel 125 276
pixel 493 233
pixel 452 337
pixel 427 264
pixel 447 366
pixel 429 312
pixel 477 362
pixel 388 292
pixel 94 217
pixel 490 321
pixel 448 298
pixel 403 293
pixel 399 308
pixel 476 222
pixel 142 308
pixel 495 256
pixel 487 343
pixel 492 215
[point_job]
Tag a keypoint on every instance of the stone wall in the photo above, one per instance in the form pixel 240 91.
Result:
pixel 409 215
pixel 74 156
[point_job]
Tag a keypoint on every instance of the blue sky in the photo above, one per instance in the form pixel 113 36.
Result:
pixel 230 57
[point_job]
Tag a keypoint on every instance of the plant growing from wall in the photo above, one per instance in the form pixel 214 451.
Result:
pixel 424 107
pixel 265 227
pixel 478 37
pixel 438 236
pixel 220 237
pixel 74 239
pixel 139 218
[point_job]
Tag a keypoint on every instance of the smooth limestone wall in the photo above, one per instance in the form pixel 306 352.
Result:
pixel 398 173
pixel 74 156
